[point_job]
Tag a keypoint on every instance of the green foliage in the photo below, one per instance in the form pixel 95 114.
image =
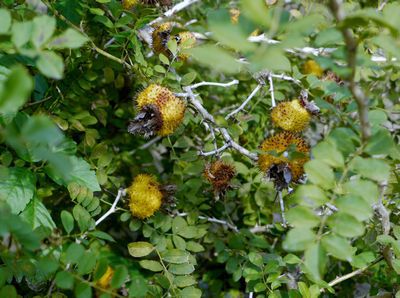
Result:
pixel 68 73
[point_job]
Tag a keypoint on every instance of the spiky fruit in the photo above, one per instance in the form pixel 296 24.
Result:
pixel 105 279
pixel 235 14
pixel 161 112
pixel 186 40
pixel 160 36
pixel 219 174
pixel 145 197
pixel 312 67
pixel 291 116
pixel 128 4
pixel 276 162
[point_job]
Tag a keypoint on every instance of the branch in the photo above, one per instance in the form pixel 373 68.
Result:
pixel 121 193
pixel 352 274
pixel 178 7
pixel 358 93
pixel 230 115
pixel 229 142
pixel 271 90
pixel 234 82
pixel 261 229
pixel 214 220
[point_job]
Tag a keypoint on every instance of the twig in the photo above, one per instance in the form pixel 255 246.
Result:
pixel 178 7
pixel 271 90
pixel 284 77
pixel 213 220
pixel 261 229
pixel 234 82
pixel 282 205
pixel 352 274
pixel 252 94
pixel 216 151
pixel 358 93
pixel 121 193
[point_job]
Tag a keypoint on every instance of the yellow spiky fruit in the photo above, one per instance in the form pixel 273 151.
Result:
pixel 275 148
pixel 128 4
pixel 291 116
pixel 171 108
pixel 312 67
pixel 105 279
pixel 186 40
pixel 235 14
pixel 160 37
pixel 145 197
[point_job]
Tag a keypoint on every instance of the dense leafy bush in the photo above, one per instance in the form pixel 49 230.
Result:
pixel 229 204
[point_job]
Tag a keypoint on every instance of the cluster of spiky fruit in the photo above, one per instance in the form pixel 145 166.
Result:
pixel 278 162
pixel 129 4
pixel 162 34
pixel 161 112
pixel 219 174
pixel 312 67
pixel 145 196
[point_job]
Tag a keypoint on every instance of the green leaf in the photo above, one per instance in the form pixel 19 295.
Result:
pixel 355 206
pixel 298 239
pixel 102 235
pixel 138 286
pixel 21 33
pixel 5 20
pixel 119 276
pixel 345 225
pixel 271 58
pixel 375 169
pixel 151 265
pixel 43 29
pixel 181 269
pixel 315 261
pixel 80 173
pixel 381 143
pixel 194 246
pixel 338 247
pixel 67 221
pixel 175 256
pixel 310 195
pixel 82 217
pixel 178 224
pixel 256 259
pixel 302 217
pixel 70 38
pixel 319 173
pixel 326 151
pixel 74 252
pixel 17 189
pixel 292 259
pixel 64 280
pixel 216 58
pixel 257 11
pixel 184 281
pixel 140 249
pixel 51 65
pixel 15 90
pixel 365 189
pixel 188 78
pixel 191 292
pixel 36 214
pixel 83 290
pixel 363 259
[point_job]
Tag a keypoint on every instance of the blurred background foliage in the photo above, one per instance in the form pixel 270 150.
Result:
pixel 69 74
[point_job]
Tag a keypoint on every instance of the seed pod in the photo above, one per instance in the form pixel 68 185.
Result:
pixel 161 112
pixel 129 4
pixel 277 165
pixel 219 174
pixel 145 197
pixel 105 279
pixel 291 116
pixel 162 34
pixel 312 67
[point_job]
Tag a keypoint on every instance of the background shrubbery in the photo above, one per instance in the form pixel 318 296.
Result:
pixel 69 73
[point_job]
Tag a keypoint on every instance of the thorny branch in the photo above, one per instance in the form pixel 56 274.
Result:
pixel 214 220
pixel 252 94
pixel 229 142
pixel 358 93
pixel 178 7
pixel 121 193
